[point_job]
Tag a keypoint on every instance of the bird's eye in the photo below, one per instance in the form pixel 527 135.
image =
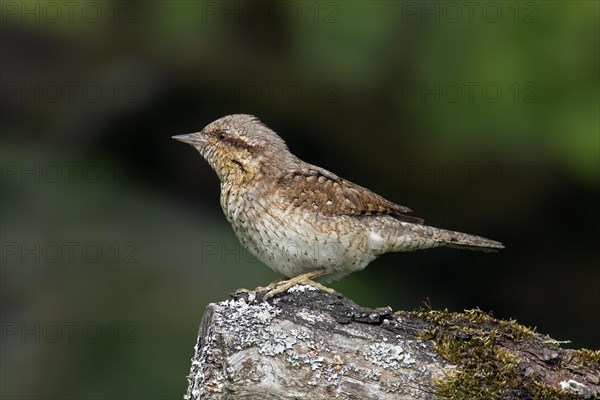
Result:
pixel 221 135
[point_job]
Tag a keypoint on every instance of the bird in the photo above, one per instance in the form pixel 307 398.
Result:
pixel 303 221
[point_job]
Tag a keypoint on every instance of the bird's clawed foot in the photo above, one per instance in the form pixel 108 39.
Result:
pixel 276 288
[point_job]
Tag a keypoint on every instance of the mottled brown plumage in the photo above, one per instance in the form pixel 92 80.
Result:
pixel 299 218
pixel 319 190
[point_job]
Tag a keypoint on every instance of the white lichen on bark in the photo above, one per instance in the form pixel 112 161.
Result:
pixel 290 349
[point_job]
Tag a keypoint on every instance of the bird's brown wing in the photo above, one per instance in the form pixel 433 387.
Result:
pixel 320 190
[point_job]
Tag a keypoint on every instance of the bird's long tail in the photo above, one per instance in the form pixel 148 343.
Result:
pixel 416 236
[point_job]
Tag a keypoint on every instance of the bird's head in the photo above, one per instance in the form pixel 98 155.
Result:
pixel 239 147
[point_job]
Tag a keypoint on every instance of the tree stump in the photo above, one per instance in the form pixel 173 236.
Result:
pixel 308 344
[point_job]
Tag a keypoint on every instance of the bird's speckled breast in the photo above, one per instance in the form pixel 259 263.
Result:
pixel 291 241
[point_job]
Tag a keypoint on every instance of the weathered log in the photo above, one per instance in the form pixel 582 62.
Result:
pixel 308 344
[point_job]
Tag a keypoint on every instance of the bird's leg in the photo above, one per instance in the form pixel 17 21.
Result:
pixel 269 287
pixel 276 288
pixel 259 289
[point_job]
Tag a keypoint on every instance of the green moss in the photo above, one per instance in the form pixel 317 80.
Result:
pixel 584 358
pixel 587 357
pixel 484 368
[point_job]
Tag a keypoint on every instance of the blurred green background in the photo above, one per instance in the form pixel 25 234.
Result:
pixel 481 116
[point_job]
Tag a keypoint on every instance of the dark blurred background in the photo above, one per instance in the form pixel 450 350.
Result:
pixel 481 116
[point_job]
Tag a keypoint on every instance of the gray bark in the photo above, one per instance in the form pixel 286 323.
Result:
pixel 308 344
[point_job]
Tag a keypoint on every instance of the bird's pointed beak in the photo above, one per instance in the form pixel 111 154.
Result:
pixel 195 139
